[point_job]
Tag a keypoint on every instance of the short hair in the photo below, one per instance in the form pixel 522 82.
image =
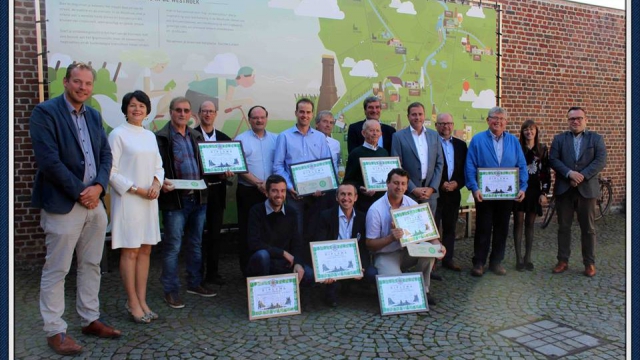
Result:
pixel 81 66
pixel 177 100
pixel 138 95
pixel 322 114
pixel 497 110
pixel 304 100
pixel 397 171
pixel 200 107
pixel 369 100
pixel 413 105
pixel 274 179
pixel 349 183
pixel 574 108
pixel 255 107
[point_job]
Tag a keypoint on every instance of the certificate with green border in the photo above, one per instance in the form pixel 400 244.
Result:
pixel 222 156
pixel 310 176
pixel 335 259
pixel 399 294
pixel 498 183
pixel 416 222
pixel 273 295
pixel 375 171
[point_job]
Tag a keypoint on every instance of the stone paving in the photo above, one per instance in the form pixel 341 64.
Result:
pixel 469 321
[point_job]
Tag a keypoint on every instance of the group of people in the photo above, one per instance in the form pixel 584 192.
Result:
pixel 76 163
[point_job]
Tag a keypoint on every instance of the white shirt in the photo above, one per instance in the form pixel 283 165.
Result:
pixel 423 150
pixel 207 137
pixel 379 220
pixel 334 147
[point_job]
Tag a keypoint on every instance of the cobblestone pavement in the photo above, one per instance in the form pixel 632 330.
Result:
pixel 465 324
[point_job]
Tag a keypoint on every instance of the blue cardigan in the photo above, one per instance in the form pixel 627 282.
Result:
pixel 482 155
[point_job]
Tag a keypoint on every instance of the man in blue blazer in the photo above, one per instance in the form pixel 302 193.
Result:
pixel 421 156
pixel 493 148
pixel 73 159
pixel 577 156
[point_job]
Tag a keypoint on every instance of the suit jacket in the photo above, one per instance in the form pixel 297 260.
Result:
pixel 328 226
pixel 217 195
pixel 459 157
pixel 404 147
pixel 58 182
pixel 592 159
pixel 355 138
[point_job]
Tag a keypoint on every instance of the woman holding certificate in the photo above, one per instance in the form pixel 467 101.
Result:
pixel 524 213
pixel 135 181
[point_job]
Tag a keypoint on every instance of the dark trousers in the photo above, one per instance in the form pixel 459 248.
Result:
pixel 446 219
pixel 262 264
pixel 491 216
pixel 246 198
pixel 566 204
pixel 211 239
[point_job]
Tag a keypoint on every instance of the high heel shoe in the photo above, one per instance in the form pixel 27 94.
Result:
pixel 144 319
pixel 152 315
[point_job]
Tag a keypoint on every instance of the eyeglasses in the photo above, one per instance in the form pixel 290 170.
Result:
pixel 209 111
pixel 496 118
pixel 444 124
pixel 579 118
pixel 181 110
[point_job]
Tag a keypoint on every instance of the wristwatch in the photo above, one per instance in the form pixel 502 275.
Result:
pixel 133 188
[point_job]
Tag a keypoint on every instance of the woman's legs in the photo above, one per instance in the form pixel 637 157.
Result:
pixel 530 221
pixel 128 270
pixel 142 274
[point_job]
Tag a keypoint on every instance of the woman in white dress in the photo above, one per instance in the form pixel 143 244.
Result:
pixel 135 182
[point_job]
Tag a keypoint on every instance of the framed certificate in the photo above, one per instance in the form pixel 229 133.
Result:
pixel 182 184
pixel 375 171
pixel 417 222
pixel 273 295
pixel 400 294
pixel 310 176
pixel 498 183
pixel 221 156
pixel 337 259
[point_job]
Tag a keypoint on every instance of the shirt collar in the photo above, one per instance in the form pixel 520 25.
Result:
pixel 495 137
pixel 342 214
pixel 413 131
pixel 72 109
pixel 270 210
pixel 369 146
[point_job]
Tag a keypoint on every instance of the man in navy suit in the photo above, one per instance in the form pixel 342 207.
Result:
pixel 73 159
pixel 372 109
pixel 216 199
pixel 454 152
pixel 577 156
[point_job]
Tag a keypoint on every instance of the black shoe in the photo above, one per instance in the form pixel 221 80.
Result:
pixel 331 301
pixel 215 279
pixel 435 276
pixel 528 266
pixel 520 266
pixel 431 300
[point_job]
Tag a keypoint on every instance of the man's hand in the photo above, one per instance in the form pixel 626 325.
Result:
pixel 318 193
pixel 90 196
pixel 226 175
pixel 261 187
pixel 168 186
pixel 520 196
pixel 397 234
pixel 449 185
pixel 328 281
pixel 300 271
pixel 422 193
pixel 288 257
pixel 363 190
pixel 294 194
pixel 443 250
pixel 573 183
pixel 477 195
pixel 576 176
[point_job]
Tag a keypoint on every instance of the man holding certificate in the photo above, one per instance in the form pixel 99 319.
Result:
pixel 390 257
pixel 494 149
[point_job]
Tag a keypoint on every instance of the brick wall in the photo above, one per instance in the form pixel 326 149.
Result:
pixel 555 54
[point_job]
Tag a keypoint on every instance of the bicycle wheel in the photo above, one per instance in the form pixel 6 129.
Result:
pixel 548 215
pixel 604 201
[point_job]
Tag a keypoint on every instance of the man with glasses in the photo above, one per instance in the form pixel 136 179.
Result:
pixel 216 199
pixel 493 148
pixel 455 154
pixel 577 156
pixel 181 209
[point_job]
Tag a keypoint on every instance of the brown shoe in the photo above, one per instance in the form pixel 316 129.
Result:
pixel 477 271
pixel 63 344
pixel 561 267
pixel 590 270
pixel 99 329
pixel 451 265
pixel 498 269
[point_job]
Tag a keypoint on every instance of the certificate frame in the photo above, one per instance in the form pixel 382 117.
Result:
pixel 499 183
pixel 401 294
pixel 217 157
pixel 418 223
pixel 375 171
pixel 309 176
pixel 326 256
pixel 265 293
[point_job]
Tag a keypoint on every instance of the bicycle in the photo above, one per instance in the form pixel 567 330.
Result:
pixel 603 202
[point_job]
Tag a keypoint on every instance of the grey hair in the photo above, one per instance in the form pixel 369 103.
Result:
pixel 497 110
pixel 322 114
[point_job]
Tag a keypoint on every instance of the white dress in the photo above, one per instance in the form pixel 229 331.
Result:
pixel 136 160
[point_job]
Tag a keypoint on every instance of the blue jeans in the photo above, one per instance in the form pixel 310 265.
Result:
pixel 262 264
pixel 191 217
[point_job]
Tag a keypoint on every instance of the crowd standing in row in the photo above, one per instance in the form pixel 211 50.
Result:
pixel 76 162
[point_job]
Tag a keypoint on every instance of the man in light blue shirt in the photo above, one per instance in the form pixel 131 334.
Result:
pixel 259 146
pixel 295 145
